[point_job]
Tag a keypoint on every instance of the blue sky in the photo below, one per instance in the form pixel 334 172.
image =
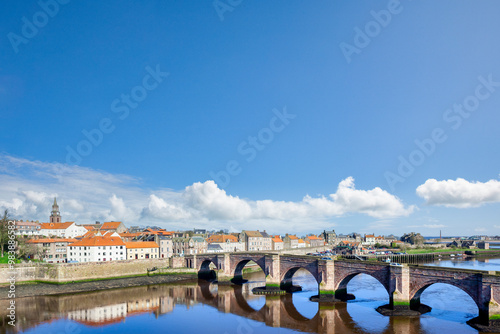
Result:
pixel 361 82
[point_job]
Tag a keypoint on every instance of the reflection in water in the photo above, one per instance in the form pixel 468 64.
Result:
pixel 209 308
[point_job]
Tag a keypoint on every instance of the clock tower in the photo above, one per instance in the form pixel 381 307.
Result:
pixel 55 216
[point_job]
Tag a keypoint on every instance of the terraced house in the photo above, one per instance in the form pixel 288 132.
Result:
pixel 52 250
pixel 228 243
pixel 96 249
pixel 140 250
pixel 256 240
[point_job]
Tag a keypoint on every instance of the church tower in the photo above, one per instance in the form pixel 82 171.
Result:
pixel 55 216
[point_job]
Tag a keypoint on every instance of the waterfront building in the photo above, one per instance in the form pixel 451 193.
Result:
pixel 266 241
pixel 314 241
pixel 96 249
pixel 254 241
pixel 277 243
pixel 140 250
pixel 166 247
pixel 228 243
pixel 291 241
pixel 52 250
pixel 214 248
pixel 189 245
pixel 301 243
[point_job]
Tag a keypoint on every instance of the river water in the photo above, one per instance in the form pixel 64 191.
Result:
pixel 208 308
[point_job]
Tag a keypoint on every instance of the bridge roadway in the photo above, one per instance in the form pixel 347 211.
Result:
pixel 404 284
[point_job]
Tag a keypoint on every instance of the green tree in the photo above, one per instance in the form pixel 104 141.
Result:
pixel 4 230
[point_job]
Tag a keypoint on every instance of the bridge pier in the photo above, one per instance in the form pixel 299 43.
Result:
pixel 326 282
pixel 489 307
pixel 273 280
pixel 400 302
pixel 224 274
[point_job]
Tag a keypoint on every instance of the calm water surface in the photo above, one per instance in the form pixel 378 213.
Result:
pixel 208 308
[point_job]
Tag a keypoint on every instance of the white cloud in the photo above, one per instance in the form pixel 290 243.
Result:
pixel 85 195
pixel 459 193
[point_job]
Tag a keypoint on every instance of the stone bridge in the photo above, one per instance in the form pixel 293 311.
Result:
pixel 404 284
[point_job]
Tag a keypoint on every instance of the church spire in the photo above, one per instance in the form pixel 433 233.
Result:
pixel 55 216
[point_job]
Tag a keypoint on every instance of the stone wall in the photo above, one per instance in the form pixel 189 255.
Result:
pixel 301 251
pixel 68 272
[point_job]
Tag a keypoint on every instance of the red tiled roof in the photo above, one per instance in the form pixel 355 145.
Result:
pixel 99 241
pixel 56 226
pixel 49 240
pixel 221 238
pixel 110 225
pixel 276 238
pixel 142 244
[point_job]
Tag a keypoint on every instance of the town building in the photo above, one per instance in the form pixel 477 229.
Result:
pixel 51 250
pixel 62 230
pixel 314 241
pixel 330 237
pixel 166 247
pixel 96 249
pixel 369 240
pixel 277 243
pixel 228 243
pixel 189 245
pixel 118 227
pixel 266 241
pixel 256 241
pixel 214 248
pixel 140 250
pixel 301 243
pixel 28 228
pixel 291 241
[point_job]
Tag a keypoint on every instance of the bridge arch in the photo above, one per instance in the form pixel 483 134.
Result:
pixel 341 289
pixel 417 291
pixel 238 269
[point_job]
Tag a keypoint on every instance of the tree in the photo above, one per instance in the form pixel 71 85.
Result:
pixel 4 230
pixel 29 251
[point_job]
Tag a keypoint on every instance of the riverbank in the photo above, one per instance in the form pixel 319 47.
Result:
pixel 39 288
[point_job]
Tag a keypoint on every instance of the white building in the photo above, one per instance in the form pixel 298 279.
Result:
pixel 28 228
pixel 97 249
pixel 63 230
pixel 228 243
